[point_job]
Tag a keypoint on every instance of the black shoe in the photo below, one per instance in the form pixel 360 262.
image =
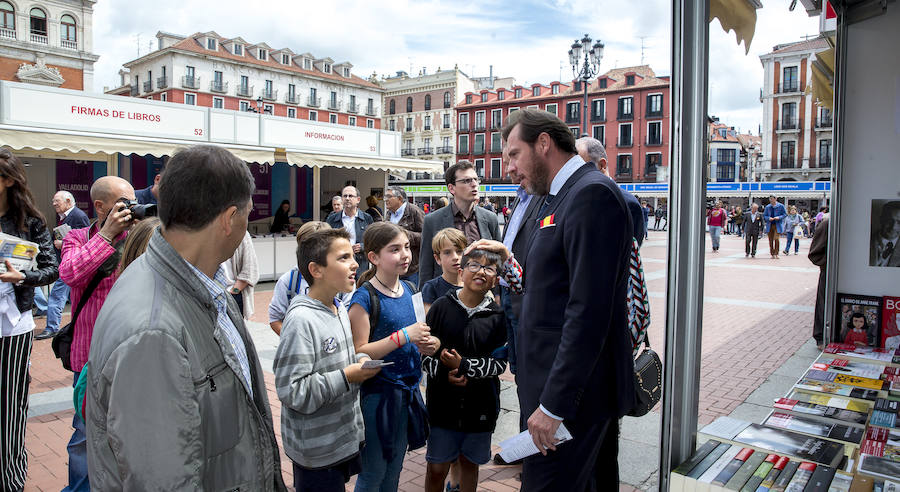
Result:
pixel 46 334
pixel 498 460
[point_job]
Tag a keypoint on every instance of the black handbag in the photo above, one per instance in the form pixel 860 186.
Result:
pixel 647 381
pixel 62 341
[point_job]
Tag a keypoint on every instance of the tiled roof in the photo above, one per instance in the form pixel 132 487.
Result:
pixel 192 43
pixel 816 44
pixel 730 134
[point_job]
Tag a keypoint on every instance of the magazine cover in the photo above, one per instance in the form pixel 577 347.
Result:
pixel 890 321
pixel 858 320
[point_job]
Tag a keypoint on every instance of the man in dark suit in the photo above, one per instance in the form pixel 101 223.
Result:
pixel 355 222
pixel 753 227
pixel 66 213
pixel 411 218
pixel 574 359
pixel 818 254
pixel 463 213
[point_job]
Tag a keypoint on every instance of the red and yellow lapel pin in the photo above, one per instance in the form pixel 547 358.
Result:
pixel 548 221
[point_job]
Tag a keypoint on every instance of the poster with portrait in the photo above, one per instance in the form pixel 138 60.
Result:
pixel 885 233
pixel 858 320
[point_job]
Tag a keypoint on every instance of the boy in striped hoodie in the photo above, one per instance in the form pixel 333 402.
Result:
pixel 317 370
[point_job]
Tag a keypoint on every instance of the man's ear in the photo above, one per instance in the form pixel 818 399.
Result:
pixel 228 218
pixel 602 164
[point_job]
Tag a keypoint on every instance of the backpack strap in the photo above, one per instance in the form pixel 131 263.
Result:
pixel 638 300
pixel 374 308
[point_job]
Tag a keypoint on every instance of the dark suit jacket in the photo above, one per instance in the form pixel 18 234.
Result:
pixel 574 355
pixel 363 220
pixel 523 241
pixel 443 218
pixel 413 219
pixel 76 219
pixel 753 227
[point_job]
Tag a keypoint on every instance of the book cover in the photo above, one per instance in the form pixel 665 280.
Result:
pixel 890 322
pixel 801 477
pixel 697 457
pixel 844 366
pixel 746 470
pixel 883 419
pixel 760 474
pixel 725 475
pixel 805 425
pixel 707 462
pixel 791 444
pixel 837 390
pixel 769 481
pixel 886 405
pixel 719 465
pixel 862 354
pixel 862 484
pixel 784 478
pixel 831 401
pixel 859 320
pixel 824 412
pixel 820 479
pixel 841 482
pixel 879 467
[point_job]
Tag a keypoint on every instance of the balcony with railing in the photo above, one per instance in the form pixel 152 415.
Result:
pixel 462 150
pixel 653 141
pixel 134 90
pixel 573 118
pixel 244 90
pixel 39 38
pixel 654 113
pixel 447 105
pixel 444 150
pixel 291 98
pixel 479 127
pixel 314 102
pixel 623 173
pixel 353 108
pixel 463 128
pixel 624 142
pixel 69 44
pixel 822 161
pixel 6 33
pixel 790 124
pixel 787 163
pixel 426 151
pixel 371 111
pixel 269 94
pixel 162 82
pixel 407 152
pixel 598 118
pixel 625 116
pixel 334 105
pixel 788 87
pixel 218 86
pixel 478 151
pixel 148 86
pixel 496 149
pixel 823 123
pixel 496 124
pixel 190 82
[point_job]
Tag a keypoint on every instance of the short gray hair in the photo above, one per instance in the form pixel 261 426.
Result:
pixel 594 148
pixel 399 191
pixel 336 197
pixel 67 196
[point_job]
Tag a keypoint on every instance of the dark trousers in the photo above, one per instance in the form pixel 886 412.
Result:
pixel 331 479
pixel 512 325
pixel 750 241
pixel 571 467
pixel 607 466
pixel 15 353
pixel 819 316
pixel 774 241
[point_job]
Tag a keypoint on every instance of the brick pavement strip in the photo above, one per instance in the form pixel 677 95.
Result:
pixel 741 347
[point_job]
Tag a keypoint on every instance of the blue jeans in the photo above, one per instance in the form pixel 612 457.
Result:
pixel 59 295
pixel 77 448
pixel 40 301
pixel 378 474
pixel 512 325
pixel 715 233
pixel 790 237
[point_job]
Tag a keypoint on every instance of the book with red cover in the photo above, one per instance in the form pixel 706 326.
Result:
pixel 866 330
pixel 890 322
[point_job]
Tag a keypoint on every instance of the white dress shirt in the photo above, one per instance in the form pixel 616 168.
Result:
pixel 349 222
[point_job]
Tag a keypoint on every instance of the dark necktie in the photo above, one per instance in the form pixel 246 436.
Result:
pixel 888 251
pixel 545 206
pixel 59 221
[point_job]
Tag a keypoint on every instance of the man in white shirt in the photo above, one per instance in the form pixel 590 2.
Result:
pixel 883 246
pixel 355 222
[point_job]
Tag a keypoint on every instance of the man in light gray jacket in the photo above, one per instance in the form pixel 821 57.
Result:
pixel 175 389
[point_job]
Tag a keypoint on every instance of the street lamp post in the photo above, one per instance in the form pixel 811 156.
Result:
pixel 585 70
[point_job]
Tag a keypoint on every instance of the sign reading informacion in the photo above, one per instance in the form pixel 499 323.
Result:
pixel 301 134
pixel 73 110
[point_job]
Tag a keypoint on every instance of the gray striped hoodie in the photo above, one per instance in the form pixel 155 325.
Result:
pixel 321 420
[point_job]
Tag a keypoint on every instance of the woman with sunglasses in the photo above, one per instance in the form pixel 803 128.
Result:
pixel 18 217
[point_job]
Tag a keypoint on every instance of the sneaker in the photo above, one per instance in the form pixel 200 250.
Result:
pixel 47 333
pixel 746 255
pixel 452 489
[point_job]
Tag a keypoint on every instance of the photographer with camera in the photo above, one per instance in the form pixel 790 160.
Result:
pixel 90 257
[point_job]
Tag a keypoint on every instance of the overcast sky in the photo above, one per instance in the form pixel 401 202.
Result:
pixel 527 39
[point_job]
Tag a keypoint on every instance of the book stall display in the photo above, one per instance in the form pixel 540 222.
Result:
pixel 836 430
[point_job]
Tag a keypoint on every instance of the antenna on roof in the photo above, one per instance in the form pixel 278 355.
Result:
pixel 642 48
pixel 137 42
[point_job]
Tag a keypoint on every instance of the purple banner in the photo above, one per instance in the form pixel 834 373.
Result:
pixel 76 177
pixel 262 201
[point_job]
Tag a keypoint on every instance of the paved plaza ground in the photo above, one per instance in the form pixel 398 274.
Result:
pixel 756 340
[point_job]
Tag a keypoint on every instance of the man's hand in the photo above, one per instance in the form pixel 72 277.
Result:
pixel 57 243
pixel 543 431
pixel 451 359
pixel 456 379
pixel 489 245
pixel 118 220
pixel 357 248
pixel 11 275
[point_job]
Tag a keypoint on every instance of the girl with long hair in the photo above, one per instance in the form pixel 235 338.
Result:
pixel 18 217
pixel 392 405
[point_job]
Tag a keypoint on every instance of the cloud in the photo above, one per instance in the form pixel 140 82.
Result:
pixel 528 40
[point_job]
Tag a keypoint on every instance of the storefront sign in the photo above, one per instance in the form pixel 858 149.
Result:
pixel 76 177
pixel 301 134
pixel 72 110
pixel 262 196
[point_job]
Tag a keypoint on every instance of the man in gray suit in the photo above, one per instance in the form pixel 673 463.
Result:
pixel 883 245
pixel 463 213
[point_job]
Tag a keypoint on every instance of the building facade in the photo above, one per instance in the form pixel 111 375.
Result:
pixel 422 109
pixel 627 111
pixel 208 70
pixel 725 150
pixel 797 133
pixel 47 42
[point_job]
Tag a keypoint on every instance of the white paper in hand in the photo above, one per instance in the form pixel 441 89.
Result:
pixel 373 364
pixel 419 307
pixel 522 446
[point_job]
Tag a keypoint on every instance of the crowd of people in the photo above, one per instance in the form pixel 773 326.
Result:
pixel 775 221
pixel 170 389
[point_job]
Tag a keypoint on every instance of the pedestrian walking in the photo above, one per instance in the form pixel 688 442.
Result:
pixel 716 218
pixel 792 230
pixel 738 221
pixel 753 227
pixel 18 217
pixel 773 217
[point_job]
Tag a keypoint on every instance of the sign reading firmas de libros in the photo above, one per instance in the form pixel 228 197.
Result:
pixel 70 110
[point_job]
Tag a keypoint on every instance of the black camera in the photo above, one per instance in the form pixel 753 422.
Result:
pixel 139 211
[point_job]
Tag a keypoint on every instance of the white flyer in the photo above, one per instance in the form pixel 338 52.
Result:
pixel 522 446
pixel 419 307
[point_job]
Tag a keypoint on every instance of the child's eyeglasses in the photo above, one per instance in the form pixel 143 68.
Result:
pixel 475 267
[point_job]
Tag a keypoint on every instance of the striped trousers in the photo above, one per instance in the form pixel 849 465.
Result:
pixel 15 353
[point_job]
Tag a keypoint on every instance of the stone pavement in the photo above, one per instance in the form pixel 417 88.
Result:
pixel 756 329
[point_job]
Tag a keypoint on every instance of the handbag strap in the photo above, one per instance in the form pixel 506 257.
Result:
pixel 88 292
